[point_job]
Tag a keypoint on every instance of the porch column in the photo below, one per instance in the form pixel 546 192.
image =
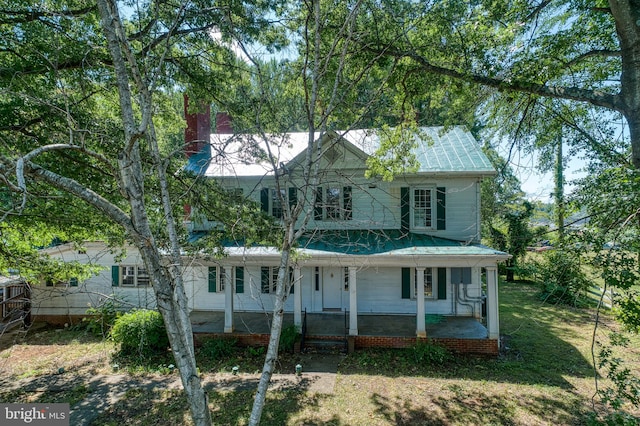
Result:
pixel 297 299
pixel 421 330
pixel 228 300
pixel 493 325
pixel 353 302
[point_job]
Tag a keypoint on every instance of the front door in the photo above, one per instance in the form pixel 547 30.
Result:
pixel 332 288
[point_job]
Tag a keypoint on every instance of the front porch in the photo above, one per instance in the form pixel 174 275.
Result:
pixel 461 334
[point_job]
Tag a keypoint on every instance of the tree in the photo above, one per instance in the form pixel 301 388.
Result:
pixel 82 92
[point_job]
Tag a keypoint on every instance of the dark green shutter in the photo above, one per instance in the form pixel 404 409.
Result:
pixel 73 282
pixel 405 209
pixel 347 202
pixel 264 199
pixel 291 280
pixel 239 279
pixel 293 197
pixel 265 279
pixel 441 197
pixel 213 271
pixel 115 275
pixel 442 283
pixel 317 209
pixel 406 283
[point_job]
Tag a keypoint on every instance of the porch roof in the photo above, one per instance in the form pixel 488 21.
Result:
pixel 393 242
pixel 371 243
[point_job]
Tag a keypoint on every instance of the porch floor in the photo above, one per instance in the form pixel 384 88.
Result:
pixel 333 324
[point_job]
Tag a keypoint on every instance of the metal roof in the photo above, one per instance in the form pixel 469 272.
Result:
pixel 395 242
pixel 371 242
pixel 437 150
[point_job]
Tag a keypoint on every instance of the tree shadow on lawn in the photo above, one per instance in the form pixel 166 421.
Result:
pixel 476 409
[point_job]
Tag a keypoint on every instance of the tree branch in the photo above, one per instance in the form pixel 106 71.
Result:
pixel 594 97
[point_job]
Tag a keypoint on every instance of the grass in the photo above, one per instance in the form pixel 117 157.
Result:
pixel 544 377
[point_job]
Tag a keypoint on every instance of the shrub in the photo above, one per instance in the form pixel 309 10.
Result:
pixel 218 348
pixel 140 332
pixel 427 353
pixel 288 337
pixel 101 318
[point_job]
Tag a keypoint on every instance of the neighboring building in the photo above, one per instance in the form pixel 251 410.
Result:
pixel 408 248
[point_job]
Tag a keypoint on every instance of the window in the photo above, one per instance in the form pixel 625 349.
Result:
pixel 317 278
pixel 218 278
pixel 271 200
pixel 422 208
pixel 132 276
pixel 73 282
pixel 346 279
pixel 333 203
pixel 426 278
pixel 268 279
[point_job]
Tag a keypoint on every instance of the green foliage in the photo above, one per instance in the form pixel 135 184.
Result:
pixel 427 353
pixel 101 318
pixel 561 278
pixel 217 348
pixel 625 388
pixel 288 337
pixel 140 332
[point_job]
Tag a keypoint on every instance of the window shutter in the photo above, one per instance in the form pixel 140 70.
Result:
pixel 291 280
pixel 73 282
pixel 264 199
pixel 115 275
pixel 441 197
pixel 442 283
pixel 213 271
pixel 405 210
pixel 317 210
pixel 239 279
pixel 265 279
pixel 347 201
pixel 406 283
pixel 293 197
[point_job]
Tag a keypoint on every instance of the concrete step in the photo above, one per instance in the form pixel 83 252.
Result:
pixel 325 346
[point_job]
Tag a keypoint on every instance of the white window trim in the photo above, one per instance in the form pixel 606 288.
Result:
pixel 273 278
pixel 341 211
pixel 136 276
pixel 434 283
pixel 434 221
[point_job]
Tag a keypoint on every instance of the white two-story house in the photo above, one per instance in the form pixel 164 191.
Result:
pixel 372 249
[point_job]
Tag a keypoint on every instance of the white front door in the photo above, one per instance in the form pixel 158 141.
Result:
pixel 332 279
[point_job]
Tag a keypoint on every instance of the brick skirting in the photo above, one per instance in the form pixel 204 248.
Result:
pixel 463 346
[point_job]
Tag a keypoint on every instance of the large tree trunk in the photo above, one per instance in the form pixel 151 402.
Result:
pixel 166 280
pixel 274 339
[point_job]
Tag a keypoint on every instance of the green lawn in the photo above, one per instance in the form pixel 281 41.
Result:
pixel 544 377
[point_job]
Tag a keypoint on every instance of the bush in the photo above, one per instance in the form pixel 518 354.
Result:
pixel 427 353
pixel 562 279
pixel 140 332
pixel 288 338
pixel 101 318
pixel 218 348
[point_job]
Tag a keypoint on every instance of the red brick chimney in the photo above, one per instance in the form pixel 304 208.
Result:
pixel 224 123
pixel 197 133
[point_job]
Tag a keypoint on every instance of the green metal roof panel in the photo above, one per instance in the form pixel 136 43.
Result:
pixel 455 150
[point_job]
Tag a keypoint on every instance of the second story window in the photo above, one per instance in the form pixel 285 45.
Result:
pixel 272 199
pixel 333 203
pixel 422 208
